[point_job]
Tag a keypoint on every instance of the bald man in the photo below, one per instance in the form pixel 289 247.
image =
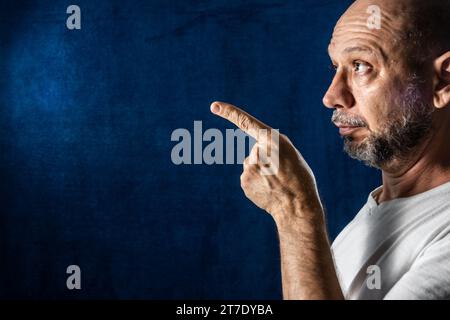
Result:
pixel 391 102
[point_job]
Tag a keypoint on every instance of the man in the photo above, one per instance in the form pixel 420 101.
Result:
pixel 391 101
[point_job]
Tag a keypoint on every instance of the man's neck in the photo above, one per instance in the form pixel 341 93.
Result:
pixel 428 167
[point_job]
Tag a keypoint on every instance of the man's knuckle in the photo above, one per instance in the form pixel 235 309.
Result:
pixel 226 111
pixel 246 178
pixel 243 121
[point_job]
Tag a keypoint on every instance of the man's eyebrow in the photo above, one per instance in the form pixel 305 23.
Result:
pixel 379 53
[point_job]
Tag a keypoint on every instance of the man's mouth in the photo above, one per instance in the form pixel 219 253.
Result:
pixel 345 130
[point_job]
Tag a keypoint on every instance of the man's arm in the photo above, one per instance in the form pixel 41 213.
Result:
pixel 290 196
pixel 307 266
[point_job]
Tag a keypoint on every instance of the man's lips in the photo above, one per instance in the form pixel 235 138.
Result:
pixel 345 130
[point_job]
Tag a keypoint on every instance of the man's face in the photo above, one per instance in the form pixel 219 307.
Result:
pixel 380 104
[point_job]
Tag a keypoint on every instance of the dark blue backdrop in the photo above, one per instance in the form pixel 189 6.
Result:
pixel 85 125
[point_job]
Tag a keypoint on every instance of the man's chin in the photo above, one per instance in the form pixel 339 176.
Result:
pixel 360 149
pixel 354 147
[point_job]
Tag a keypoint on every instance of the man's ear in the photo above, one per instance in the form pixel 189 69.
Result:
pixel 442 87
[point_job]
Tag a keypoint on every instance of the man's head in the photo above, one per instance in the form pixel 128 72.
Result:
pixel 390 82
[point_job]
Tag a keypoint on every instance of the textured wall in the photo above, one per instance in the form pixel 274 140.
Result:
pixel 85 124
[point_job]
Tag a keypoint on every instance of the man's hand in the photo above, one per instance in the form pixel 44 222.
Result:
pixel 293 181
pixel 290 196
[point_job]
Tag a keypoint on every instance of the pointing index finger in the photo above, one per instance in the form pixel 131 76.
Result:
pixel 240 118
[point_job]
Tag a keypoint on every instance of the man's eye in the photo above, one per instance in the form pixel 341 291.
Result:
pixel 361 67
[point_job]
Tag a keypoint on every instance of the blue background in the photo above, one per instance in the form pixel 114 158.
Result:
pixel 86 117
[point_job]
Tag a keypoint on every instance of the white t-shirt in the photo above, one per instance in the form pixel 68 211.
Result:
pixel 408 239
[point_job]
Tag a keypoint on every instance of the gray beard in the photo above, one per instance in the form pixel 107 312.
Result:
pixel 399 137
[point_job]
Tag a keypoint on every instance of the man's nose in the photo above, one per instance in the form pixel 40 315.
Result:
pixel 338 94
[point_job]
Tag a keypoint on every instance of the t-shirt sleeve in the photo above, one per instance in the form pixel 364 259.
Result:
pixel 429 276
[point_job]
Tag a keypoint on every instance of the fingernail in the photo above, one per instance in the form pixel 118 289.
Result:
pixel 215 108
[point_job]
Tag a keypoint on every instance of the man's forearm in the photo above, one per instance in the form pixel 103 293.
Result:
pixel 307 266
